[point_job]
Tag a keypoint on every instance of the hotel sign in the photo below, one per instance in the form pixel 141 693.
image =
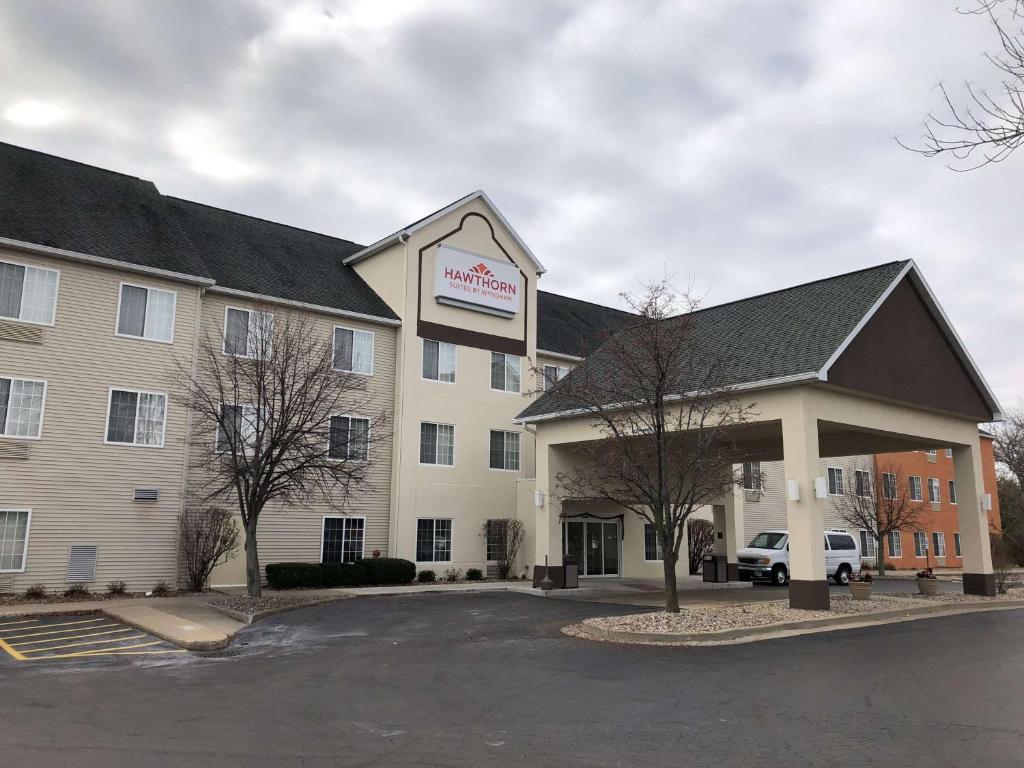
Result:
pixel 467 280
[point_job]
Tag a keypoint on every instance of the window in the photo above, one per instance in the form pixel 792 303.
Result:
pixel 920 543
pixel 433 540
pixel 840 541
pixel 28 294
pixel 504 450
pixel 342 539
pixel 241 425
pixel 146 313
pixel 932 454
pixel 652 546
pixel 867 544
pixel 895 544
pixel 952 491
pixel 835 481
pixel 135 417
pixel 949 453
pixel 752 475
pixel 13 539
pixel 496 533
pixel 247 334
pixel 439 361
pixel 437 444
pixel 889 485
pixel 21 407
pixel 933 490
pixel 915 488
pixel 353 350
pixel 504 372
pixel 939 541
pixel 349 438
pixel 956 543
pixel 862 482
pixel 552 374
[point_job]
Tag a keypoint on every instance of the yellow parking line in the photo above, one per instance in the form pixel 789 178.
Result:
pixel 128 650
pixel 73 637
pixel 5 647
pixel 72 645
pixel 12 623
pixel 58 631
pixel 64 623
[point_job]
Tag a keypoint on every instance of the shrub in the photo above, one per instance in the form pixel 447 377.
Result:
pixel 426 577
pixel 343 575
pixel 452 574
pixel 117 588
pixel 36 592
pixel 294 575
pixel 207 536
pixel 160 589
pixel 76 591
pixel 388 570
pixel 474 574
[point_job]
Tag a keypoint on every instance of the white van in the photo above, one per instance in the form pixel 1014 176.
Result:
pixel 767 557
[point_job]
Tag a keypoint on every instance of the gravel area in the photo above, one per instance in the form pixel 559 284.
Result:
pixel 715 618
pixel 59 597
pixel 270 603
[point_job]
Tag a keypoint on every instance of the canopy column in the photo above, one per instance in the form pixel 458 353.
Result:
pixel 728 522
pixel 972 512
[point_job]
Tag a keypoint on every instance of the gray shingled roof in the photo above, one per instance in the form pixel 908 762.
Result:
pixel 783 333
pixel 574 327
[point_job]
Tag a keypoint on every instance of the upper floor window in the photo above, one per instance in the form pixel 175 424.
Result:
pixel 835 481
pixel 952 491
pixel 240 425
pixel 949 453
pixel 862 482
pixel 752 475
pixel 28 294
pixel 353 350
pixel 247 333
pixel 21 407
pixel 439 358
pixel 933 490
pixel 504 450
pixel 932 454
pixel 915 488
pixel 552 374
pixel 504 372
pixel 135 417
pixel 889 485
pixel 437 444
pixel 349 438
pixel 146 313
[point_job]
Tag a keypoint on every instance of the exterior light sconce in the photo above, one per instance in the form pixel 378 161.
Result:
pixel 986 502
pixel 793 488
pixel 820 488
pixel 538 499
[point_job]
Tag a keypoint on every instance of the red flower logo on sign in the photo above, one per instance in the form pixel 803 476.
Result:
pixel 481 269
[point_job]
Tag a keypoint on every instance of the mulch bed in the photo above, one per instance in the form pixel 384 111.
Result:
pixel 267 604
pixel 60 597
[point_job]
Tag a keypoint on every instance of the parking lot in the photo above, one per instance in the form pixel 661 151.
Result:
pixel 58 638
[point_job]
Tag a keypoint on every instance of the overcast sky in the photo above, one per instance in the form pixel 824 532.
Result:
pixel 743 146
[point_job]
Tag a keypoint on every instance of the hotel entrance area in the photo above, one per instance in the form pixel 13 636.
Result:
pixel 595 545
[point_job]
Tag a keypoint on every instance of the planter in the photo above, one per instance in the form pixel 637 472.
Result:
pixel 928 586
pixel 860 590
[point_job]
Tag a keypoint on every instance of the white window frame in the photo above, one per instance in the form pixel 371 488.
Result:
pixel 433 539
pixel 939 539
pixel 56 296
pixel 419 451
pixel 249 335
pixel 920 488
pixel 28 533
pixel 147 289
pixel 949 453
pixel 840 485
pixel 348 416
pixel 561 371
pixel 886 476
pixel 921 536
pixel 857 473
pixel 216 429
pixel 323 530
pixel 506 355
pixel 657 546
pixel 868 541
pixel 933 454
pixel 455 360
pixel 373 348
pixel 42 409
pixel 951 485
pixel 933 484
pixel 897 538
pixel 106 421
pixel 504 453
pixel 755 476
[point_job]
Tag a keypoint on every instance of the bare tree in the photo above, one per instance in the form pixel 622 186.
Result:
pixel 207 537
pixel 661 401
pixel 988 128
pixel 504 539
pixel 883 509
pixel 701 542
pixel 270 402
pixel 1009 443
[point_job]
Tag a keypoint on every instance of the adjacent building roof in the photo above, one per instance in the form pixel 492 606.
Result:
pixel 572 327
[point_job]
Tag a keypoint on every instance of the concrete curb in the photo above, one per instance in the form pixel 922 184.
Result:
pixel 788 628
pixel 170 637
pixel 249 618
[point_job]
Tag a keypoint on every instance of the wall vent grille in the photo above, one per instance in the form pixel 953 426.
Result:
pixel 147 494
pixel 13 450
pixel 81 563
pixel 30 334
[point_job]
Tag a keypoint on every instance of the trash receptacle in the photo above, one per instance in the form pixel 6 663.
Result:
pixel 715 568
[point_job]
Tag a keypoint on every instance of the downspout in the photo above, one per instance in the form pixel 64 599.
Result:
pixel 396 448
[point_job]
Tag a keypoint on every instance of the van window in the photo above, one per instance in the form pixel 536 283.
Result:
pixel 840 541
pixel 768 540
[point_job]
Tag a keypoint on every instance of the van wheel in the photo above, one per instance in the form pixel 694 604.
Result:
pixel 779 576
pixel 842 576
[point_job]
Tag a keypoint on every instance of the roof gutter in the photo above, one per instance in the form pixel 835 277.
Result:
pixel 303 305
pixel 560 355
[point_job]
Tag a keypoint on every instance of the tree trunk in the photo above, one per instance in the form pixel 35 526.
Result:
pixel 671 590
pixel 252 561
pixel 880 555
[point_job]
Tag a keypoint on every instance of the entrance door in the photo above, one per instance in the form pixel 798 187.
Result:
pixel 594 545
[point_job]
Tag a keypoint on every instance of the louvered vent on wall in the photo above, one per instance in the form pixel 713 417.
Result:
pixel 30 334
pixel 6 583
pixel 81 563
pixel 13 450
pixel 147 494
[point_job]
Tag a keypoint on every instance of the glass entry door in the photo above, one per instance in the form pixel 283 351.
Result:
pixel 593 545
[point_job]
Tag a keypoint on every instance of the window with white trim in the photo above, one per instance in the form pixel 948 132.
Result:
pixel 553 374
pixel 895 544
pixel 239 428
pixel 437 444
pixel 652 545
pixel 28 294
pixel 504 372
pixel 146 313
pixel 862 482
pixel 342 539
pixel 932 454
pixel 247 333
pixel 952 491
pixel 914 482
pixel 136 417
pixel 835 481
pixel 956 544
pixel 949 453
pixel 920 544
pixel 504 450
pixel 439 361
pixel 13 539
pixel 21 407
pixel 867 544
pixel 433 540
pixel 353 350
pixel 889 485
pixel 751 475
pixel 933 490
pixel 349 438
pixel 939 541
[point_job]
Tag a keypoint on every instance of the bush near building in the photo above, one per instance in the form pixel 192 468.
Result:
pixel 376 571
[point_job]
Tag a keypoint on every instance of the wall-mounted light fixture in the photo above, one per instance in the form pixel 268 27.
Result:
pixel 793 487
pixel 821 488
pixel 538 499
